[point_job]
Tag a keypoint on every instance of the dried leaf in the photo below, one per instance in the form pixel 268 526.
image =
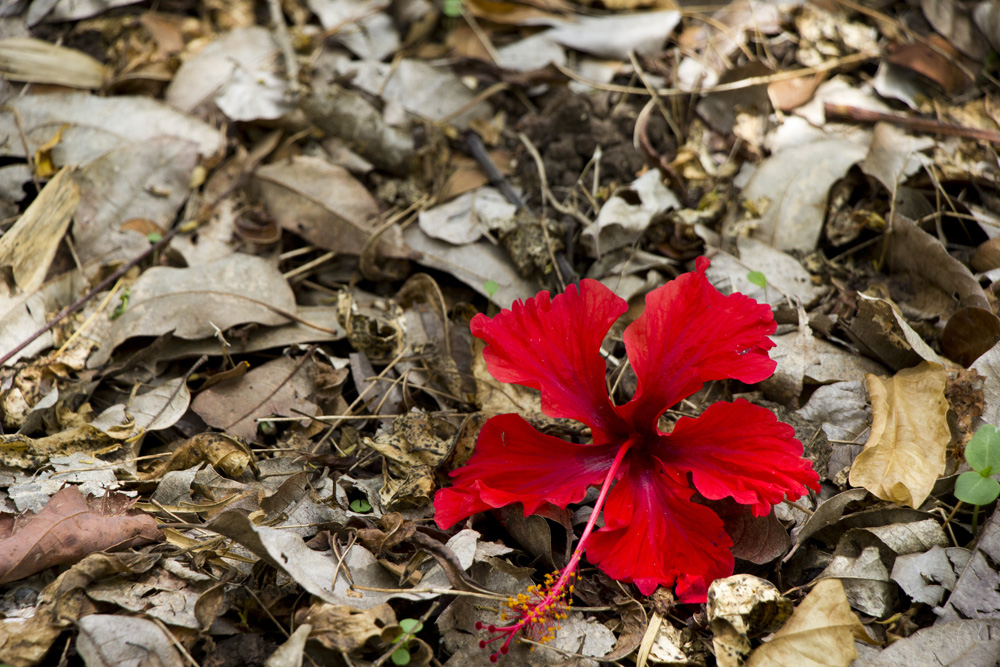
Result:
pixel 905 453
pixel 795 186
pixel 977 593
pixel 98 125
pixel 30 245
pixel 68 529
pixel 740 607
pixel 121 640
pixel 346 628
pixel 820 633
pixel 38 61
pixel 965 643
pixel 233 290
pixel 322 203
pixel 279 387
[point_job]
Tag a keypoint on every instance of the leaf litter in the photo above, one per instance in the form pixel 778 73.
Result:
pixel 241 248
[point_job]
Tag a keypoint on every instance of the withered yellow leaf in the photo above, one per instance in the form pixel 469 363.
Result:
pixel 905 453
pixel 820 633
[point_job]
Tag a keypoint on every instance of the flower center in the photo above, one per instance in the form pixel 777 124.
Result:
pixel 539 611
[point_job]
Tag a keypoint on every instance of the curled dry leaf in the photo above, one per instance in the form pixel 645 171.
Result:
pixel 820 633
pixel 345 628
pixel 30 245
pixel 740 607
pixel 905 453
pixel 217 449
pixel 69 528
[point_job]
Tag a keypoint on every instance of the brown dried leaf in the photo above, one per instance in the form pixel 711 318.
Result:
pixel 820 633
pixel 278 387
pixel 905 453
pixel 323 204
pixel 67 529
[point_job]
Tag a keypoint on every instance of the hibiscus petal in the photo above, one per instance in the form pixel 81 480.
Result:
pixel 655 536
pixel 741 450
pixel 689 334
pixel 554 345
pixel 512 463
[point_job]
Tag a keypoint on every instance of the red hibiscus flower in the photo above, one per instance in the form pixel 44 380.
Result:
pixel 654 534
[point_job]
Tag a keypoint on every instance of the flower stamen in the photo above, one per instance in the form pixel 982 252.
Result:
pixel 543 606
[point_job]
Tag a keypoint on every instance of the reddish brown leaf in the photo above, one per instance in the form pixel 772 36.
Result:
pixel 69 528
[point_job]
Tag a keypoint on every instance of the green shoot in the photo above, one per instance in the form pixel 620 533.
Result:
pixel 361 506
pixel 758 279
pixel 409 627
pixel 978 487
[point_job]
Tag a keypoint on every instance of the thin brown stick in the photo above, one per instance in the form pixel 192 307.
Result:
pixel 927 125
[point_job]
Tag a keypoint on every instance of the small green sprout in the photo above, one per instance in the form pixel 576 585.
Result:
pixel 978 486
pixel 123 297
pixel 758 279
pixel 154 237
pixel 452 9
pixel 491 287
pixel 361 506
pixel 409 627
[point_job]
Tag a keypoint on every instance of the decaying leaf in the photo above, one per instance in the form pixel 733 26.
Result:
pixel 346 628
pixel 905 453
pixel 69 528
pixel 222 451
pixel 21 451
pixel 740 607
pixel 820 633
pixel 414 447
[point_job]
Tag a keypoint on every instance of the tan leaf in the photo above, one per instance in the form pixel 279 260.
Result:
pixel 905 453
pixel 30 245
pixel 820 632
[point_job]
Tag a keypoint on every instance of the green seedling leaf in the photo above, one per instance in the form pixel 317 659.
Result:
pixel 123 306
pixel 401 656
pixel 983 451
pixel 410 625
pixel 757 278
pixel 971 487
pixel 452 8
pixel 361 506
pixel 491 287
pixel 154 237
